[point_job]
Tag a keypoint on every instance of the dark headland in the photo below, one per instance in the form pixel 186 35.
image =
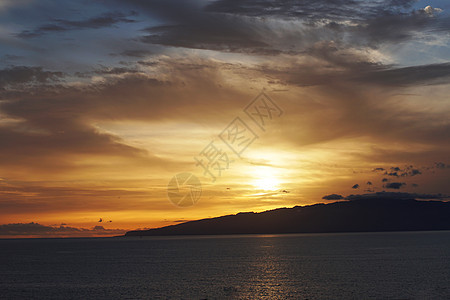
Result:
pixel 363 215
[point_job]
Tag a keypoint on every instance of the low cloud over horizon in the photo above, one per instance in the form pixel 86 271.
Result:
pixel 388 195
pixel 37 230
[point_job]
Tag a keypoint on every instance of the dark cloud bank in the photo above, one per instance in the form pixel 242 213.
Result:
pixel 388 195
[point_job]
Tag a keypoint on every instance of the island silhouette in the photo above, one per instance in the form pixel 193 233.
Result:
pixel 360 215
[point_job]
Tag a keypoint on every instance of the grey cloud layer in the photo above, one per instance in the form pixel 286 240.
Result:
pixel 241 26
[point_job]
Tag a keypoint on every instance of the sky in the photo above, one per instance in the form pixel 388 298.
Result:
pixel 267 104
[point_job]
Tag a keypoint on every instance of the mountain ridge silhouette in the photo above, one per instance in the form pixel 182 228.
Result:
pixel 361 215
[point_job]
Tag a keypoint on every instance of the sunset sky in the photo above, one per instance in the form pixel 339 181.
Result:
pixel 103 102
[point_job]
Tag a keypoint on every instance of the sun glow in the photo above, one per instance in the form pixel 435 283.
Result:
pixel 266 178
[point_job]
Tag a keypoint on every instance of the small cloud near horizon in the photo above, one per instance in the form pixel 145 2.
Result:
pixel 394 185
pixel 333 197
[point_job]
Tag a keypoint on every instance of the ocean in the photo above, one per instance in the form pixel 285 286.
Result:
pixel 389 265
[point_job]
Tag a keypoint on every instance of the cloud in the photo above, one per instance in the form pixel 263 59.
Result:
pixel 413 172
pixel 333 197
pixel 58 122
pixel 335 10
pixel 38 230
pixel 23 76
pixel 356 186
pixel 54 124
pixel 425 74
pixel 395 174
pixel 258 27
pixel 59 25
pixel 396 195
pixel 378 169
pixel 394 26
pixel 223 33
pixel 336 64
pixel 136 53
pixel 431 11
pixel 407 171
pixel 115 71
pixel 7 4
pixel 369 23
pixel 394 185
pixel 441 165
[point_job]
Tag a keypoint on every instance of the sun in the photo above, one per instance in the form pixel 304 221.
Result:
pixel 266 184
pixel 265 178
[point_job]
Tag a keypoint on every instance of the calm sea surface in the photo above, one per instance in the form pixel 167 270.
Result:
pixel 406 265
